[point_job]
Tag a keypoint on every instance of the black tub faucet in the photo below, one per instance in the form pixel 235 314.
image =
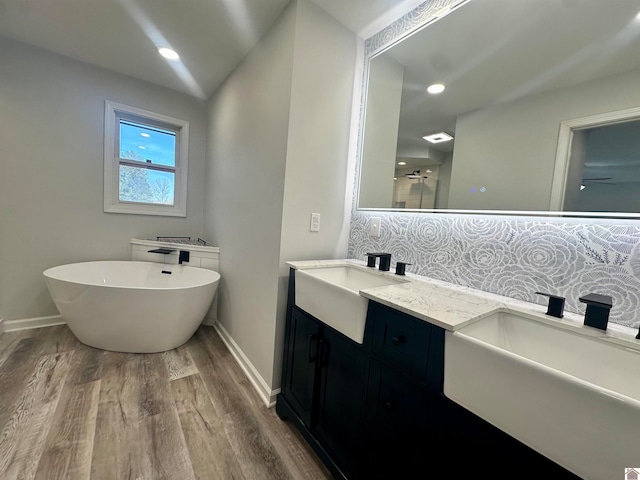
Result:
pixel 598 306
pixel 556 305
pixel 183 257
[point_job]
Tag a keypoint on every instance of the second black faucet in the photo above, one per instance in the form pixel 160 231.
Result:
pixel 385 260
pixel 597 313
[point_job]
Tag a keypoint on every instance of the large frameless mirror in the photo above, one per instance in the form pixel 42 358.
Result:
pixel 540 112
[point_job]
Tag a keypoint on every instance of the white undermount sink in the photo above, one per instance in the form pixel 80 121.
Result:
pixel 331 294
pixel 570 395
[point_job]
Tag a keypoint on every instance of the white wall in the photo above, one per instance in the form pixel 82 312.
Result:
pixel 246 153
pixel 277 151
pixel 317 147
pixel 51 170
pixel 511 148
pixel 444 181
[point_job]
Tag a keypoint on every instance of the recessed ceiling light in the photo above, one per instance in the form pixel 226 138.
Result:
pixel 402 163
pixel 145 135
pixel 435 88
pixel 168 53
pixel 438 137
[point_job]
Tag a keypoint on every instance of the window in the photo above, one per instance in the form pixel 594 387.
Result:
pixel 145 162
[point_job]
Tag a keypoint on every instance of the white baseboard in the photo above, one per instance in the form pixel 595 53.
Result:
pixel 268 395
pixel 36 322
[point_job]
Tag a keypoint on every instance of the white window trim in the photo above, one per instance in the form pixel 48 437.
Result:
pixel 112 203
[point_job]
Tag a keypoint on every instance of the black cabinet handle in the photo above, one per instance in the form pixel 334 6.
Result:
pixel 324 352
pixel 313 352
pixel 399 340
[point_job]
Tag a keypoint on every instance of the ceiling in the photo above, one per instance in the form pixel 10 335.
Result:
pixel 537 50
pixel 211 36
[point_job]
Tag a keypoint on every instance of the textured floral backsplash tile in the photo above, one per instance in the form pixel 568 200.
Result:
pixel 514 258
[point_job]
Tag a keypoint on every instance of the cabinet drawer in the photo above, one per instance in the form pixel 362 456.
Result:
pixel 401 340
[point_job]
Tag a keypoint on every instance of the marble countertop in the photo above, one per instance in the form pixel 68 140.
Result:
pixel 453 306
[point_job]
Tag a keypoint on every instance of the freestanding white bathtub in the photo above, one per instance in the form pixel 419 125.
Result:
pixel 127 306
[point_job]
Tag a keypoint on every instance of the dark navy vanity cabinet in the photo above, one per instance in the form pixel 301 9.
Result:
pixel 369 410
pixel 376 410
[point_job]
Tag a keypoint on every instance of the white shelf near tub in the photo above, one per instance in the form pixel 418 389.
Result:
pixel 200 255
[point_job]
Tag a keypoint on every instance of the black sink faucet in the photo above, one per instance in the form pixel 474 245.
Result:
pixel 598 306
pixel 385 260
pixel 400 267
pixel 183 257
pixel 555 307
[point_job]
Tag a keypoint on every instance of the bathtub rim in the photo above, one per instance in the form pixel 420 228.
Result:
pixel 215 276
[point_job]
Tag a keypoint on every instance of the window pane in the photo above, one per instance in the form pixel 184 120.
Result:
pixel 142 185
pixel 144 143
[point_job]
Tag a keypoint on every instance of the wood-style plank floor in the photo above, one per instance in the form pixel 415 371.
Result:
pixel 69 411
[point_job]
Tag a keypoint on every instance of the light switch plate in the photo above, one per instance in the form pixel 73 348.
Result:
pixel 374 226
pixel 315 222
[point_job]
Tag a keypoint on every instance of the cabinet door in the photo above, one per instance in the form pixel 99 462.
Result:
pixel 403 422
pixel 304 338
pixel 340 400
pixel 493 451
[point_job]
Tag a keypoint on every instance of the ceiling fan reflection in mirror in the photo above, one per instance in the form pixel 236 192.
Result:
pixel 415 174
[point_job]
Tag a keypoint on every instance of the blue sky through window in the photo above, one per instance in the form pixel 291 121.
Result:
pixel 139 142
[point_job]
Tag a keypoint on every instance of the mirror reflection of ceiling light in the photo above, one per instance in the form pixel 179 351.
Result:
pixel 402 163
pixel 438 137
pixel 168 53
pixel 145 135
pixel 435 88
pixel 143 148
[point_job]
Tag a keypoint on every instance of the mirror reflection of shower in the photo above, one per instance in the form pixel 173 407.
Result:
pixel 415 188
